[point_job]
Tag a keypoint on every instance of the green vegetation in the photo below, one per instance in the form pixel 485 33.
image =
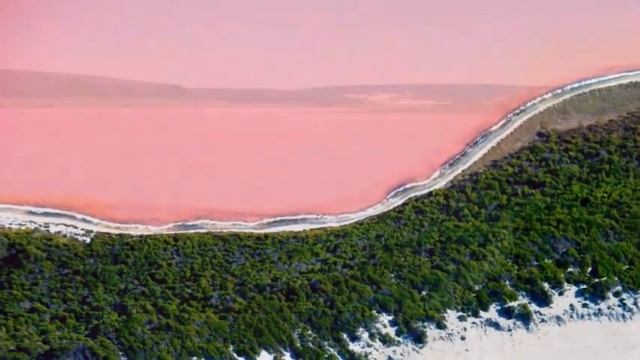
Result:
pixel 565 209
pixel 521 312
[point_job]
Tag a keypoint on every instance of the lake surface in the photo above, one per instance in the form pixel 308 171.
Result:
pixel 161 164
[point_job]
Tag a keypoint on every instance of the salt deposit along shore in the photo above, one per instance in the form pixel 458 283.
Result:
pixel 82 226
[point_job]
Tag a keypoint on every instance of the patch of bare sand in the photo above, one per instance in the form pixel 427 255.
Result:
pixel 595 106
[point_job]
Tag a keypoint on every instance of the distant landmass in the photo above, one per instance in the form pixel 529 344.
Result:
pixel 24 85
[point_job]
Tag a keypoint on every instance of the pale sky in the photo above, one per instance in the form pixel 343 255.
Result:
pixel 294 43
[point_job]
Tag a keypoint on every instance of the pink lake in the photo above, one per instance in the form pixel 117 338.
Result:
pixel 249 130
pixel 162 164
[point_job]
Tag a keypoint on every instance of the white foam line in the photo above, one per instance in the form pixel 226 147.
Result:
pixel 471 153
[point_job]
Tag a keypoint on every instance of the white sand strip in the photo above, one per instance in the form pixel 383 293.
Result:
pixel 571 328
pixel 580 340
pixel 26 216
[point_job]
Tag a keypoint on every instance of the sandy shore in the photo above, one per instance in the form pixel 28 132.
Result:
pixel 579 340
pixel 18 216
pixel 571 328
pixel 583 340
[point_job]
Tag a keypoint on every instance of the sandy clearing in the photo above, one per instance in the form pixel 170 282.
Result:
pixel 571 328
pixel 584 340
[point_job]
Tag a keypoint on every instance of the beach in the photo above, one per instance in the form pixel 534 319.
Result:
pixel 572 327
pixel 584 340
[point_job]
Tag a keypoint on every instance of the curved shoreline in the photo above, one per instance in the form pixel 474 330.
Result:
pixel 484 142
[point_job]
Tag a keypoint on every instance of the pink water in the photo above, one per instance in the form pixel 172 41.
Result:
pixel 157 165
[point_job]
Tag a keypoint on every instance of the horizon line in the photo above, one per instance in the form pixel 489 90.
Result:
pixel 314 87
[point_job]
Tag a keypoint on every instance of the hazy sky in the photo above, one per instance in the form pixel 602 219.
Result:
pixel 295 43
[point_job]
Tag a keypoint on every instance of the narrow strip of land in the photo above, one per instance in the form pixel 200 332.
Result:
pixel 28 216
